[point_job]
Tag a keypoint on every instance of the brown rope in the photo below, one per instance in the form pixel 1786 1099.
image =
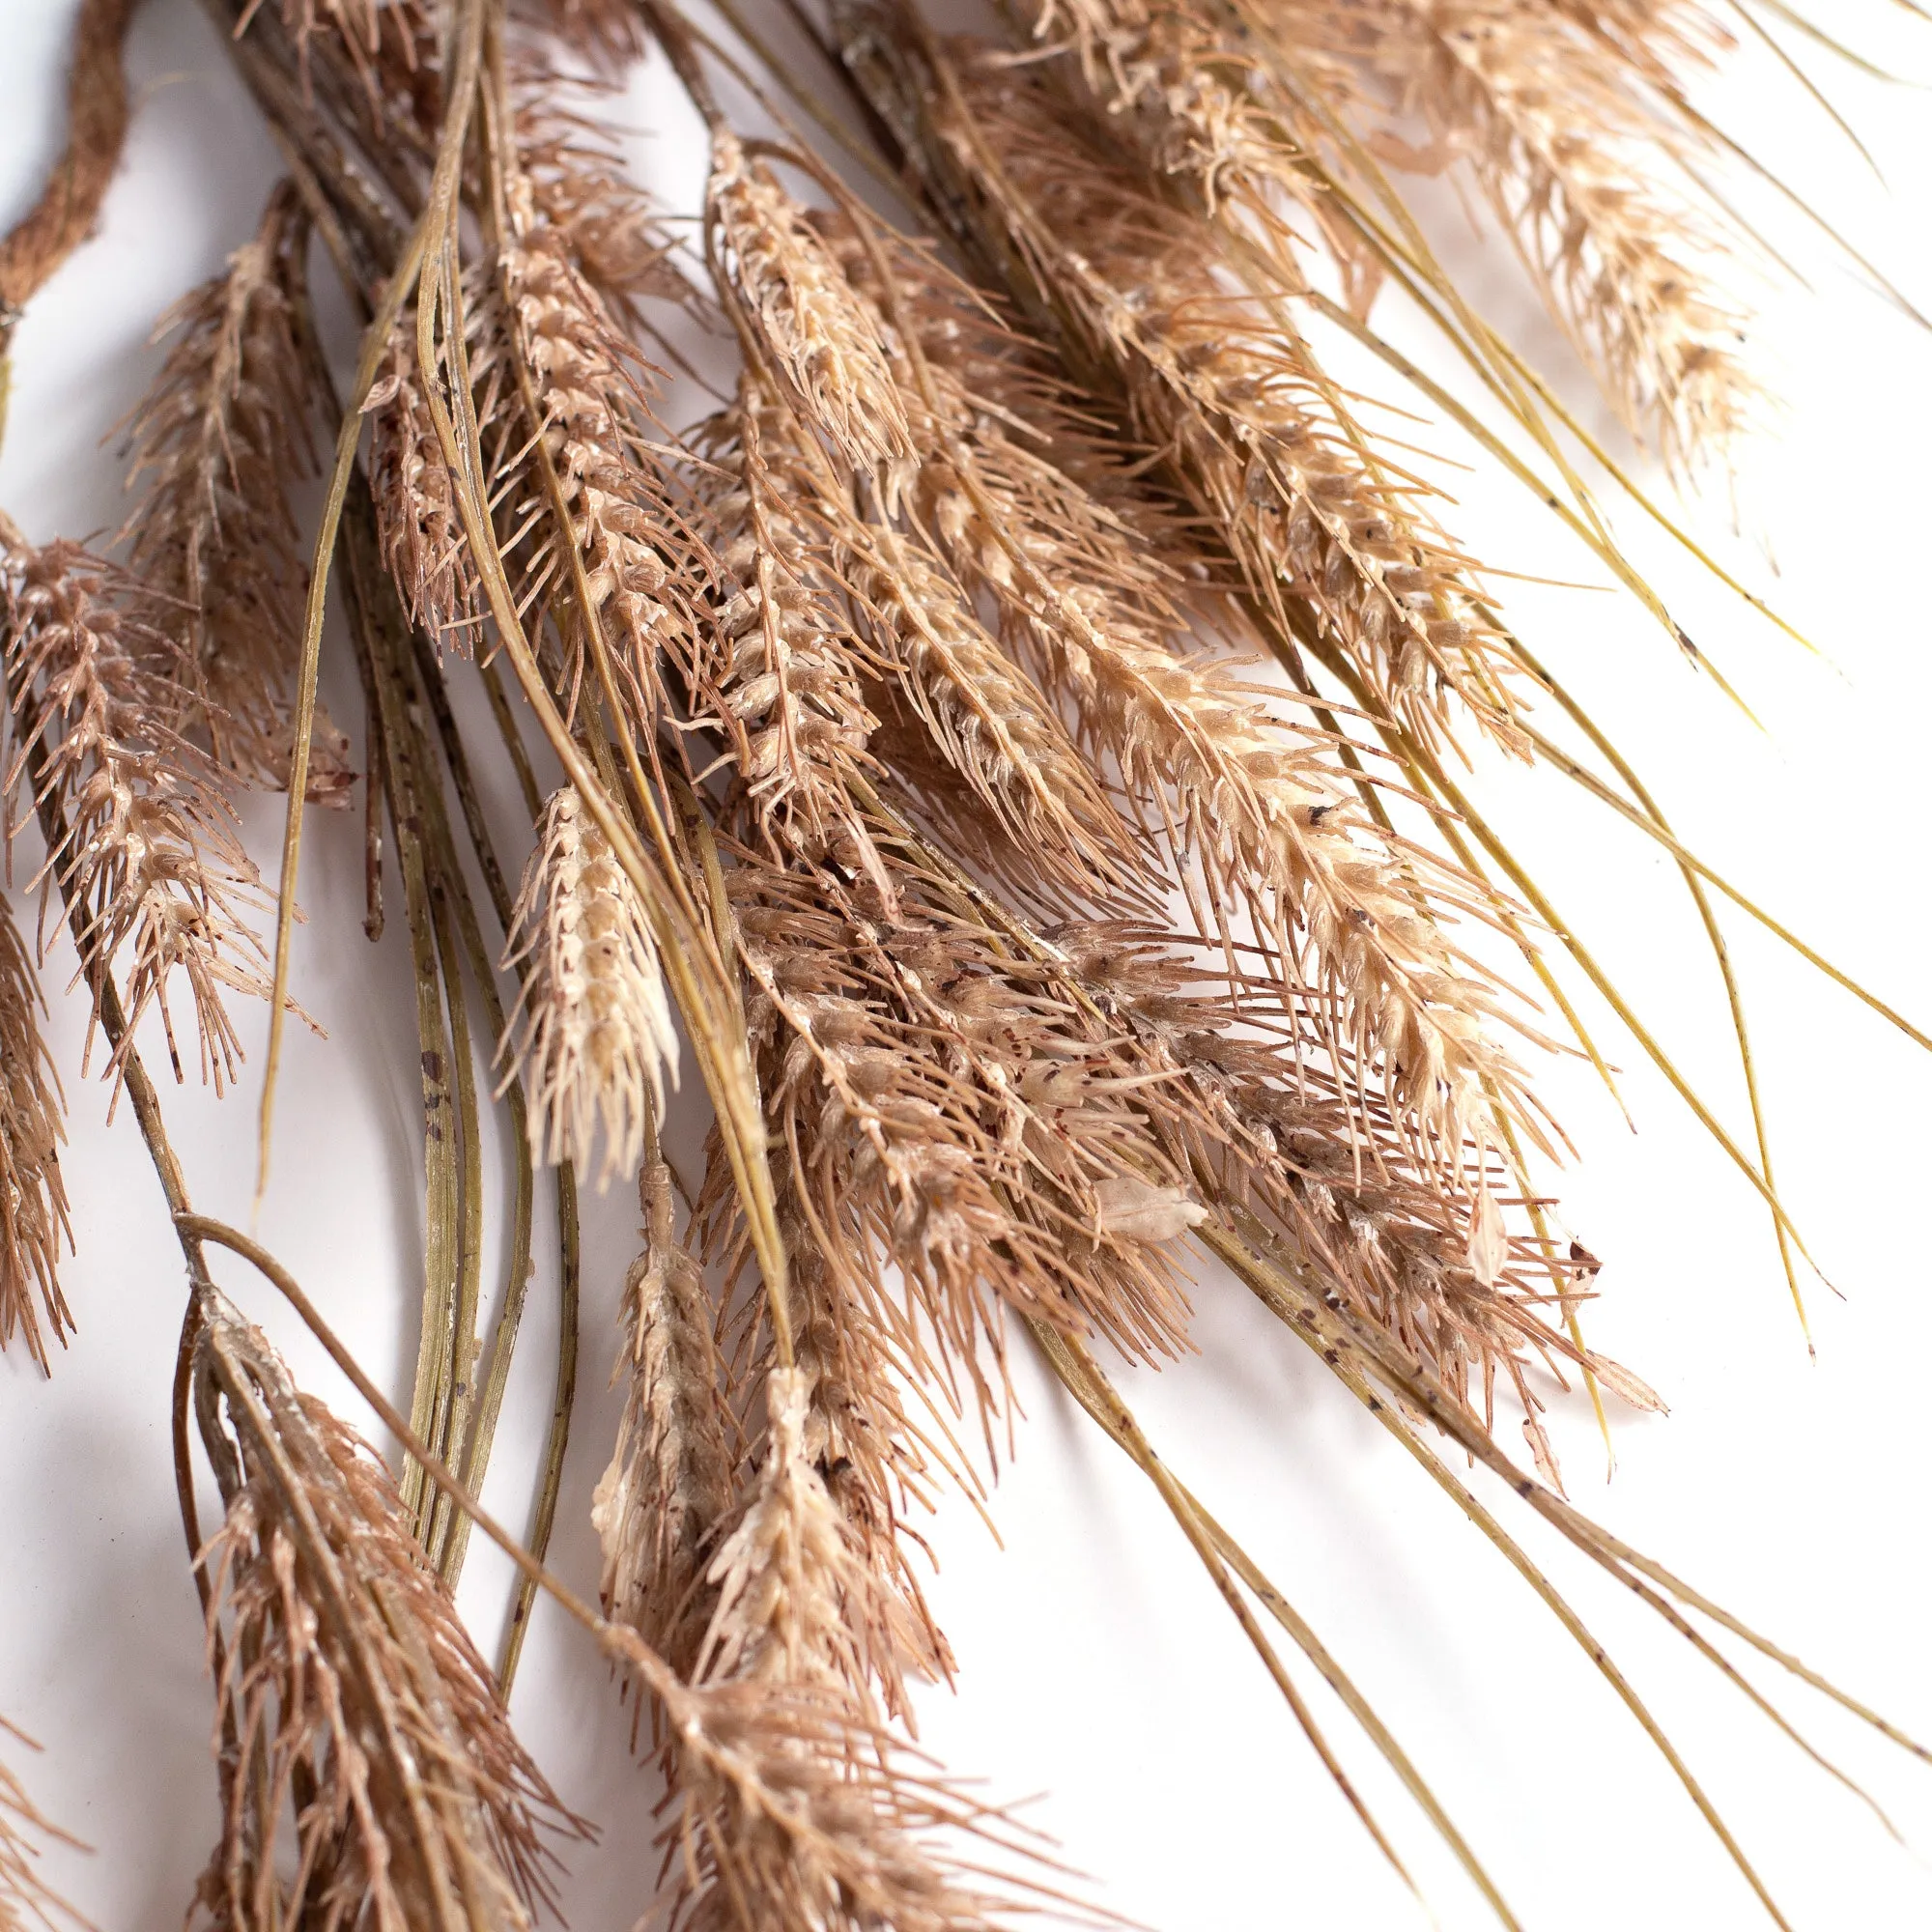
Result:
pixel 96 108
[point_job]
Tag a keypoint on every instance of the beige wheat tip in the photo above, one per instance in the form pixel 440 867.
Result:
pixel 591 1036
pixel 822 337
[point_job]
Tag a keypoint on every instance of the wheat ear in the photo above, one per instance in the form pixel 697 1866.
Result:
pixel 592 1036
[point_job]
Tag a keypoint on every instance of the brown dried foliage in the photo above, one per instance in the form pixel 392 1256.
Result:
pixel 369 1775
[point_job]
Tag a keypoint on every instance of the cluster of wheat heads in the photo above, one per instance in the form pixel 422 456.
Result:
pixel 896 764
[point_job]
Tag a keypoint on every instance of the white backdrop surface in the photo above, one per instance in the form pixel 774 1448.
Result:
pixel 1097 1667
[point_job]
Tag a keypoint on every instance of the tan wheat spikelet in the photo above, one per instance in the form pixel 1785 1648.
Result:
pixel 667 1487
pixel 346 1682
pixel 1566 116
pixel 784 1576
pixel 591 1034
pixel 573 176
pixel 644 568
pixel 220 437
pixel 784 677
pixel 34 1218
pixel 149 859
pixel 820 338
pixel 422 538
pixel 786 1713
pixel 1283 1138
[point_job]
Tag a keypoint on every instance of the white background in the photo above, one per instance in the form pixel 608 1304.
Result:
pixel 1096 1665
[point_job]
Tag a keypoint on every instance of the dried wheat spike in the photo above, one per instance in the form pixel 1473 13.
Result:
pixel 991 724
pixel 786 1717
pixel 1202 107
pixel 990 1172
pixel 1231 119
pixel 874 1465
pixel 890 629
pixel 220 437
pixel 1563 115
pixel 420 529
pixel 25 1901
pixel 1269 813
pixel 669 1485
pixel 34 1218
pixel 369 1775
pixel 573 174
pixel 64 213
pixel 786 1575
pixel 642 566
pixel 819 337
pixel 1329 536
pixel 591 1034
pixel 148 861
pixel 789 1811
pixel 1377 1228
pixel 783 674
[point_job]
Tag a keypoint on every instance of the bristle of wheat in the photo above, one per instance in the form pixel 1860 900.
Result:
pixel 25 1900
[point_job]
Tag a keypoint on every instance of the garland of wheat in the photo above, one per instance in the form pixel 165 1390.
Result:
pixel 912 787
